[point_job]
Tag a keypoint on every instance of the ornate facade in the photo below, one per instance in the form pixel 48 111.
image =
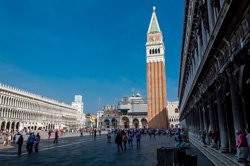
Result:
pixel 173 114
pixel 214 84
pixel 131 112
pixel 20 109
pixel 156 77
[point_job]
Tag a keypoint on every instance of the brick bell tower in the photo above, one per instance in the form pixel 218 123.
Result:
pixel 156 77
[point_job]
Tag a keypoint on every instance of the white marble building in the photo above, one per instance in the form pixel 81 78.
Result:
pixel 79 105
pixel 173 114
pixel 21 109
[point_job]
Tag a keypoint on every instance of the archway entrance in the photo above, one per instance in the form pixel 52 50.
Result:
pixel 8 126
pixel 114 123
pixel 144 123
pixel 17 125
pixel 13 126
pixel 136 123
pixel 106 122
pixel 125 121
pixel 3 125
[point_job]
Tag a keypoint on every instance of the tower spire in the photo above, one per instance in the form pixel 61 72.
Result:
pixel 154 25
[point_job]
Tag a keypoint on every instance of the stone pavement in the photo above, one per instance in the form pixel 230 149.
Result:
pixel 87 151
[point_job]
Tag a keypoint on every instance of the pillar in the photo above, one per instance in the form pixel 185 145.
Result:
pixel 237 114
pixel 222 122
pixel 210 16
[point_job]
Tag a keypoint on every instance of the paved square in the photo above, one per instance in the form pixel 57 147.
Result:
pixel 87 151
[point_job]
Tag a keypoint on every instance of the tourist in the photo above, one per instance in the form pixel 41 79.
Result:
pixel 125 139
pixel 242 147
pixel 248 142
pixel 204 137
pixel 95 134
pixel 37 141
pixel 118 141
pixel 56 137
pixel 130 140
pixel 30 143
pixel 20 144
pixel 100 132
pixel 109 136
pixel 81 132
pixel 49 133
pixel 138 139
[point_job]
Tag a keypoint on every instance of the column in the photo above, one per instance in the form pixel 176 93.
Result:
pixel 210 16
pixel 237 114
pixel 222 122
pixel 201 120
pixel 211 120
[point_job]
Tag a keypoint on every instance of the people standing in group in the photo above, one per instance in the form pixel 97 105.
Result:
pixel 56 137
pixel 118 141
pixel 30 143
pixel 37 141
pixel 20 144
pixel 138 139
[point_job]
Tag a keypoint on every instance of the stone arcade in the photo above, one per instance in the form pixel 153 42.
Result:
pixel 20 109
pixel 214 84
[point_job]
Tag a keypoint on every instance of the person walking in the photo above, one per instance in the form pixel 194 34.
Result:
pixel 20 144
pixel 118 141
pixel 49 133
pixel 138 139
pixel 125 139
pixel 242 147
pixel 30 143
pixel 37 141
pixel 56 137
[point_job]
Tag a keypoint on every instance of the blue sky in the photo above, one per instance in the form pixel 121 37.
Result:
pixel 93 48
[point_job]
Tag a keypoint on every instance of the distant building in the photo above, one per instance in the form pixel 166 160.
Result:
pixel 90 121
pixel 131 112
pixel 79 105
pixel 173 114
pixel 20 110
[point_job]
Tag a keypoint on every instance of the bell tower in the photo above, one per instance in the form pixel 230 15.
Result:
pixel 156 77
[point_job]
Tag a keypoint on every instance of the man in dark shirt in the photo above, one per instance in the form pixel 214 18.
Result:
pixel 118 141
pixel 20 144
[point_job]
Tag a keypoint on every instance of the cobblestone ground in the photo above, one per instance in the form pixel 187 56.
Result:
pixel 87 151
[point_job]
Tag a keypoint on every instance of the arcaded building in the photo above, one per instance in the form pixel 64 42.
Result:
pixel 156 77
pixel 21 109
pixel 214 83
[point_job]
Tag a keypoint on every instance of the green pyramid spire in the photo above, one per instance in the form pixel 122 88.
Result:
pixel 154 26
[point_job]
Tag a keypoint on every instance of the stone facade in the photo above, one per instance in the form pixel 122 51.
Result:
pixel 79 105
pixel 156 77
pixel 173 114
pixel 214 84
pixel 131 112
pixel 20 109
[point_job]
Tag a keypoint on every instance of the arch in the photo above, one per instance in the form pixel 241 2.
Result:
pixel 107 123
pixel 150 52
pixel 17 125
pixel 3 125
pixel 13 126
pixel 125 122
pixel 136 123
pixel 8 125
pixel 114 123
pixel 155 50
pixel 159 51
pixel 144 123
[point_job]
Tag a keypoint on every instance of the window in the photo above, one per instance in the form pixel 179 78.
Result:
pixel 176 110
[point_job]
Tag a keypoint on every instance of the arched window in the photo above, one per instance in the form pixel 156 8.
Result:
pixel 150 51
pixel 159 51
pixel 176 110
pixel 156 50
pixel 153 51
